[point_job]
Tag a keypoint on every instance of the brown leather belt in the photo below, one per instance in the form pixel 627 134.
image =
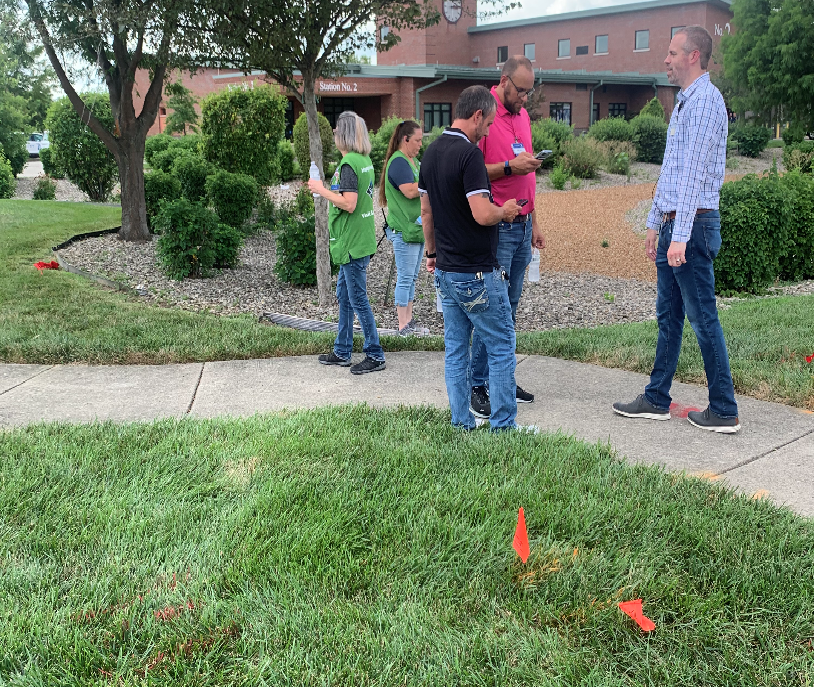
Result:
pixel 667 216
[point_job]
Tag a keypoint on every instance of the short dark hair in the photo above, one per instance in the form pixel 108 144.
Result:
pixel 472 99
pixel 514 63
pixel 698 38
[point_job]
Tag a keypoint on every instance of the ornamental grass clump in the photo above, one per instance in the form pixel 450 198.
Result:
pixel 582 157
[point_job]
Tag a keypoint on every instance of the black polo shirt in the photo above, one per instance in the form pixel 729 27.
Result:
pixel 452 169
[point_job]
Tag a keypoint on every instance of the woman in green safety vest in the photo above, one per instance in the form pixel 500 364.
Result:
pixel 398 191
pixel 352 230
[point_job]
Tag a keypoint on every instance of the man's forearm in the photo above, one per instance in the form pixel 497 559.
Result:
pixel 495 171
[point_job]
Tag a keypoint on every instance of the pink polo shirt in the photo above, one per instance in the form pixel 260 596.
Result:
pixel 497 147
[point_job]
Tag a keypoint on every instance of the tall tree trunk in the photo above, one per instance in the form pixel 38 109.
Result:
pixel 131 177
pixel 320 204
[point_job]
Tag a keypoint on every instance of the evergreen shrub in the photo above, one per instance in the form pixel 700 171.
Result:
pixel 165 159
pixel 797 263
pixel 650 138
pixel 158 187
pixel 793 133
pixel 750 139
pixel 297 252
pixel 232 195
pixel 48 165
pixel 302 146
pixel 654 108
pixel 285 160
pixel 611 129
pixel 191 171
pixel 379 142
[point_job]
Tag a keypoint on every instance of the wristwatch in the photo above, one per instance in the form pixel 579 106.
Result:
pixel 429 255
pixel 507 169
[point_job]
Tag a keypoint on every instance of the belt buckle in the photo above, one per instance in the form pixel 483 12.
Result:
pixel 479 275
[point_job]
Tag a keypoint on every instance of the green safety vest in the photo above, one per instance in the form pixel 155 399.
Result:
pixel 353 234
pixel 403 212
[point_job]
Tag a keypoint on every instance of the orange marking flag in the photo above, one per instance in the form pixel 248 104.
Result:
pixel 634 610
pixel 521 537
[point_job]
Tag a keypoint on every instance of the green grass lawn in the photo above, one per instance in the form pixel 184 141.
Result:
pixel 57 317
pixel 353 546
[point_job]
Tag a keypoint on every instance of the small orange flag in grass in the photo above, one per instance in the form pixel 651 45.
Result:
pixel 634 610
pixel 521 537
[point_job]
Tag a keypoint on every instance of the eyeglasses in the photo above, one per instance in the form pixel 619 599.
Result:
pixel 521 92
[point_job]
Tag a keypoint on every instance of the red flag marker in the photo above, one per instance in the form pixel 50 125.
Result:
pixel 521 537
pixel 53 265
pixel 634 610
pixel 680 410
pixel 810 358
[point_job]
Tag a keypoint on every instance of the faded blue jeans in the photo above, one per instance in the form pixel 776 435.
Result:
pixel 351 292
pixel 690 288
pixel 514 255
pixel 408 264
pixel 479 304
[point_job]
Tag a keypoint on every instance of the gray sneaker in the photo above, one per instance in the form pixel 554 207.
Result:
pixel 708 420
pixel 641 407
pixel 408 329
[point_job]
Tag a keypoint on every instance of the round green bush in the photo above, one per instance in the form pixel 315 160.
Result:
pixel 232 195
pixel 8 184
pixel 611 129
pixel 297 252
pixel 654 108
pixel 79 151
pixel 45 190
pixel 549 134
pixel 48 165
pixel 650 138
pixel 186 247
pixel 165 160
pixel 241 128
pixel 302 147
pixel 751 139
pixel 797 263
pixel 190 142
pixel 285 160
pixel 12 145
pixel 191 171
pixel 159 187
pixel 793 133
pixel 156 144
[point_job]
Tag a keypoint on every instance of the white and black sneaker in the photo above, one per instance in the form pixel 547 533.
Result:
pixel 523 396
pixel 479 403
pixel 641 407
pixel 706 419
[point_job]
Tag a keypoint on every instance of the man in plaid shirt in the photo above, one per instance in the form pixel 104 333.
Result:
pixel 684 236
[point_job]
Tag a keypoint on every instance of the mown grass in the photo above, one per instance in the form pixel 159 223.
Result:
pixel 58 317
pixel 353 546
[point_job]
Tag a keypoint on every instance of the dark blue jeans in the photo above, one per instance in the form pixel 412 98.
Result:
pixel 690 288
pixel 514 255
pixel 478 304
pixel 351 292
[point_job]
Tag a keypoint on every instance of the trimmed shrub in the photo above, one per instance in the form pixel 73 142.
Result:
pixel 558 177
pixel 793 133
pixel 46 189
pixel 226 243
pixel 285 160
pixel 191 171
pixel 799 157
pixel 8 184
pixel 750 139
pixel 48 165
pixel 156 144
pixel 159 187
pixel 650 138
pixel 798 261
pixel 581 157
pixel 80 152
pixel 190 142
pixel 548 134
pixel 241 129
pixel 165 160
pixel 232 195
pixel 611 129
pixel 379 141
pixel 302 146
pixel 297 252
pixel 654 108
pixel 12 145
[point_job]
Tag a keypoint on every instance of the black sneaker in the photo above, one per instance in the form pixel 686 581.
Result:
pixel 523 396
pixel 479 403
pixel 368 365
pixel 333 359
pixel 641 407
pixel 710 421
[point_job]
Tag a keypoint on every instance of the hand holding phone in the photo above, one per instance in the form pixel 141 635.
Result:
pixel 544 154
pixel 522 201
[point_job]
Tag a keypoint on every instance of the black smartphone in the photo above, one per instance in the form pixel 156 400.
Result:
pixel 522 201
pixel 543 154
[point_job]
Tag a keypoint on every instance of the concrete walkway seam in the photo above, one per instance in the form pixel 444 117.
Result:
pixel 25 381
pixel 195 390
pixel 765 453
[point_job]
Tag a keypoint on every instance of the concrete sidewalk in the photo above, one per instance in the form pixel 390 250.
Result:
pixel 772 456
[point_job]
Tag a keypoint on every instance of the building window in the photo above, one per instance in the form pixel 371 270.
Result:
pixel 503 53
pixel 617 109
pixel 289 119
pixel 333 107
pixel 560 112
pixel 675 30
pixel 582 86
pixel 528 51
pixel 582 50
pixel 564 47
pixel 437 114
pixel 385 32
pixel 643 40
pixel 595 113
pixel 601 46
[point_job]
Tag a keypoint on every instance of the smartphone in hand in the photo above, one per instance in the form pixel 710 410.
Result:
pixel 522 201
pixel 544 154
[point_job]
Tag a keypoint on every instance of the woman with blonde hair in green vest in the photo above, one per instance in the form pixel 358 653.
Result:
pixel 398 191
pixel 352 230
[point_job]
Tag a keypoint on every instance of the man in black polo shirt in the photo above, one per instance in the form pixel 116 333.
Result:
pixel 461 235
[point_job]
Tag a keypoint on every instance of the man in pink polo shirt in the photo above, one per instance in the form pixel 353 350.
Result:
pixel 511 165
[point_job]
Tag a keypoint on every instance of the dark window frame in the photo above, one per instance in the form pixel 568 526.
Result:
pixel 440 112
pixel 581 50
pixel 337 107
pixel 617 110
pixel 560 112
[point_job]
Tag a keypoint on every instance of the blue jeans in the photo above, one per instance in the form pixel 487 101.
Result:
pixel 408 264
pixel 351 292
pixel 479 304
pixel 691 288
pixel 514 255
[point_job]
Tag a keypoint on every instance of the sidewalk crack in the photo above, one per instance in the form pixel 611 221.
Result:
pixel 25 381
pixel 195 391
pixel 765 453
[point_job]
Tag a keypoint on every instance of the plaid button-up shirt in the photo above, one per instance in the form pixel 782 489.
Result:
pixel 694 160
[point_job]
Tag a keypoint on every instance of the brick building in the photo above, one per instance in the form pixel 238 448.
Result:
pixel 591 64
